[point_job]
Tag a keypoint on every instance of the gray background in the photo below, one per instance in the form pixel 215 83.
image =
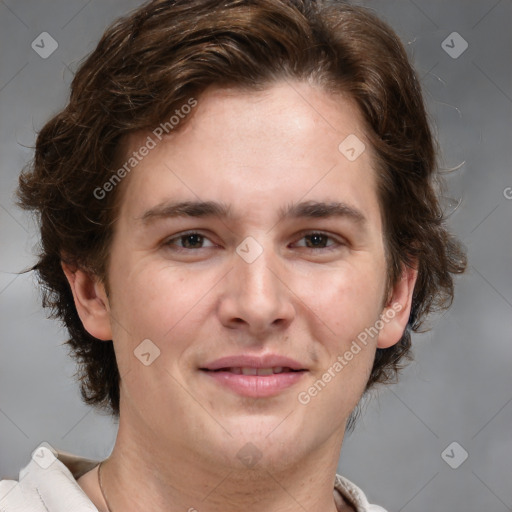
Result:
pixel 460 386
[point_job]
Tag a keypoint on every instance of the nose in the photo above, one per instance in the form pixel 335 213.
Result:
pixel 256 297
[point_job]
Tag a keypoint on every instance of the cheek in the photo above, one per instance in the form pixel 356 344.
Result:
pixel 152 303
pixel 157 304
pixel 345 307
pixel 344 301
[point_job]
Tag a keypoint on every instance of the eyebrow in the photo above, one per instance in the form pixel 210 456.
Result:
pixel 306 209
pixel 322 210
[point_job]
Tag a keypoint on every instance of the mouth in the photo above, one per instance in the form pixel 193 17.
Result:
pixel 248 370
pixel 255 377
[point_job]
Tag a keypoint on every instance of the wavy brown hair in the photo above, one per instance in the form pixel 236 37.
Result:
pixel 150 62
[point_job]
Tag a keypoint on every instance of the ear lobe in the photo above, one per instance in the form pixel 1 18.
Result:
pixel 396 312
pixel 91 301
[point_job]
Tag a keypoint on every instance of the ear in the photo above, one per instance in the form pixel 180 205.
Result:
pixel 395 314
pixel 91 301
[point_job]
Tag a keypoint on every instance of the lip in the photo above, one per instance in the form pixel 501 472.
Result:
pixel 250 361
pixel 254 386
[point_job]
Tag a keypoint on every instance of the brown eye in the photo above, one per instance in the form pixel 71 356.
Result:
pixel 318 240
pixel 190 240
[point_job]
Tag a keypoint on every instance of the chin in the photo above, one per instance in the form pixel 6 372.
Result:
pixel 265 442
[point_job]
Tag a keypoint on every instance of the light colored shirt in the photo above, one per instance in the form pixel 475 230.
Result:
pixel 48 483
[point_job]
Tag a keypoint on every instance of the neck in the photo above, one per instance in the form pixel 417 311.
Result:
pixel 136 477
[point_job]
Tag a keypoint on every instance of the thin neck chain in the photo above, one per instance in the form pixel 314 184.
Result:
pixel 101 487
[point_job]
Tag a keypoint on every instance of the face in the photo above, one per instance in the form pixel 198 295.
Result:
pixel 251 292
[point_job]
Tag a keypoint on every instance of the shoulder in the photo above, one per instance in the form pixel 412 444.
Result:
pixel 354 495
pixel 47 484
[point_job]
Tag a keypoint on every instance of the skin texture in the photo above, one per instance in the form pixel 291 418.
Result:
pixel 179 430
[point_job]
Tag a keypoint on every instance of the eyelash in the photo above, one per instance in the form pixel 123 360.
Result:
pixel 337 242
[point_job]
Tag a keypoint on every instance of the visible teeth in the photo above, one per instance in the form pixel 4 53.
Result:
pixel 257 371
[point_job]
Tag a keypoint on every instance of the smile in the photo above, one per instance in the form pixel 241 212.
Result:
pixel 254 381
pixel 246 370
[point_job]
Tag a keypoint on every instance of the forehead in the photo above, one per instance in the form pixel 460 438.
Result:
pixel 257 150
